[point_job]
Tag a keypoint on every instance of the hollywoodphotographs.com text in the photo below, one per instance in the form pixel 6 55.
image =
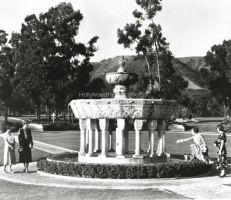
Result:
pixel 96 95
pixel 110 95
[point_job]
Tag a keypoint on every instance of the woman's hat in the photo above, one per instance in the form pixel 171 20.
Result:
pixel 220 127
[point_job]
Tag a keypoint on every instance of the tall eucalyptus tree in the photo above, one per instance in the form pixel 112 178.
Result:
pixel 151 45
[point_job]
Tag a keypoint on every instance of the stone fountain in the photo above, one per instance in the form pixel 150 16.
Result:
pixel 97 116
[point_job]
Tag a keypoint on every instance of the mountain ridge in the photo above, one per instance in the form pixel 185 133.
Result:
pixel 187 67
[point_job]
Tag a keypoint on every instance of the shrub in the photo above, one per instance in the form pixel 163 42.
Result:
pixel 50 121
pixel 15 126
pixel 60 126
pixel 41 121
pixel 113 171
pixel 3 126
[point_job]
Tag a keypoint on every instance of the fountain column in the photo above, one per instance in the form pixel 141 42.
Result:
pixel 152 127
pixel 110 136
pixel 161 127
pixel 83 127
pixel 149 142
pixel 120 138
pixel 138 124
pixel 165 126
pixel 103 123
pixel 86 140
pixel 91 125
pixel 97 138
pixel 126 134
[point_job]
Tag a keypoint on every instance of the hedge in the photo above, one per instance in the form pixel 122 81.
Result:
pixel 60 126
pixel 119 171
pixel 15 126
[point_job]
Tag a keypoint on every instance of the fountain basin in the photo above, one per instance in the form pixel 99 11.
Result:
pixel 123 108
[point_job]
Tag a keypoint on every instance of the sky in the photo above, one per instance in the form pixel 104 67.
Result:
pixel 190 26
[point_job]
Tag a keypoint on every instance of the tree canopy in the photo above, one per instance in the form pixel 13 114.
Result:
pixel 151 45
pixel 6 71
pixel 50 63
pixel 218 73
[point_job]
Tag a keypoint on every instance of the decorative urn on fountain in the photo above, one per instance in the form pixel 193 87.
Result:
pixel 121 79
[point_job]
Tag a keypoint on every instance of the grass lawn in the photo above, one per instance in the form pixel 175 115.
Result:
pixel 206 124
pixel 65 139
pixel 71 139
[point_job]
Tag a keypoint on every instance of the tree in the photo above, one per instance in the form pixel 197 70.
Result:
pixel 66 59
pixel 51 64
pixel 29 76
pixel 196 101
pixel 96 86
pixel 152 46
pixel 6 72
pixel 218 74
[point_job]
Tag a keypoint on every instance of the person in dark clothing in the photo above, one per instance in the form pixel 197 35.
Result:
pixel 25 145
pixel 222 152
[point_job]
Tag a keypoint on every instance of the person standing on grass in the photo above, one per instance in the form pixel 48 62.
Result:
pixel 221 157
pixel 9 149
pixel 199 149
pixel 26 144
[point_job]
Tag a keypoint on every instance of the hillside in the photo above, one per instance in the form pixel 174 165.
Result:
pixel 185 67
pixel 112 64
pixel 189 73
pixel 193 62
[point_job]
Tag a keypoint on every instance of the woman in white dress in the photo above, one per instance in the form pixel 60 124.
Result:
pixel 9 149
pixel 199 149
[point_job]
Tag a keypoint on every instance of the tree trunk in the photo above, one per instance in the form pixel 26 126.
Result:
pixel 6 115
pixel 9 112
pixel 56 109
pixel 227 109
pixel 46 110
pixel 38 107
pixel 64 115
pixel 37 111
pixel 69 113
pixel 49 112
